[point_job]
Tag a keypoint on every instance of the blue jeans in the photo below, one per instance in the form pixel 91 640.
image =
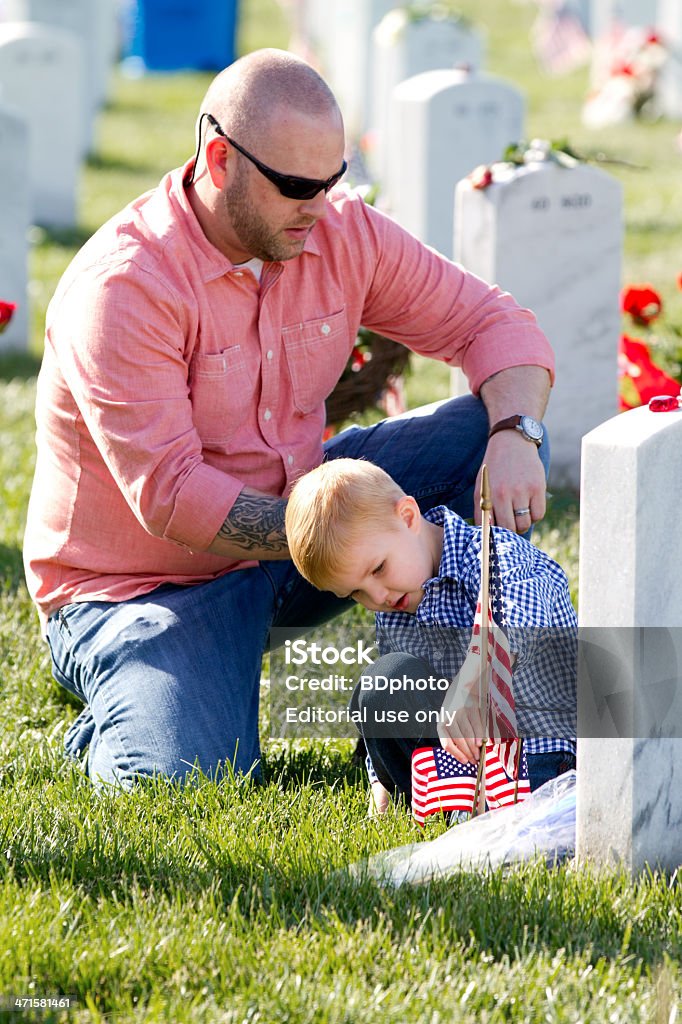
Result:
pixel 171 679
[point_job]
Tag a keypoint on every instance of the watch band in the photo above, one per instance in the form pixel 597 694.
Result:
pixel 516 423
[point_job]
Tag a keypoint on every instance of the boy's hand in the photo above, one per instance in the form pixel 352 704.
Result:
pixel 379 800
pixel 461 736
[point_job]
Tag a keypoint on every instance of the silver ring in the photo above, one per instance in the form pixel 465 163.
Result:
pixel 521 511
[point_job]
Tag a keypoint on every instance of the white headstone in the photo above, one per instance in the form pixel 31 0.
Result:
pixel 41 76
pixel 552 236
pixel 15 220
pixel 92 21
pixel 404 46
pixel 347 58
pixel 629 795
pixel 443 124
pixel 670 27
pixel 605 14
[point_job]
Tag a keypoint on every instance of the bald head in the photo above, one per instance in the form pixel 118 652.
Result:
pixel 246 95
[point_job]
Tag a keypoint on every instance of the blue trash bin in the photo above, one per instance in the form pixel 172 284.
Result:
pixel 175 35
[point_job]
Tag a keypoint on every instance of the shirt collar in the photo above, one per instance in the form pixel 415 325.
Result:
pixel 212 263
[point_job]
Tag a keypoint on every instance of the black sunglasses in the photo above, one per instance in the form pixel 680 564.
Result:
pixel 289 185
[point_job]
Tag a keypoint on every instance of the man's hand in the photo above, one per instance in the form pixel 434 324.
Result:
pixel 517 482
pixel 517 477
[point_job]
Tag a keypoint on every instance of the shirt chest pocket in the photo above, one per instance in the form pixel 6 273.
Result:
pixel 220 393
pixel 316 352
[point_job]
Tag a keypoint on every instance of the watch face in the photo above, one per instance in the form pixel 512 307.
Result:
pixel 532 428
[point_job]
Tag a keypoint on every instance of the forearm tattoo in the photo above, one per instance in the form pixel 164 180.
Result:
pixel 256 521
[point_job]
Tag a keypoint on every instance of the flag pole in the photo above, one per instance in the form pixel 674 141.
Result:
pixel 517 769
pixel 484 669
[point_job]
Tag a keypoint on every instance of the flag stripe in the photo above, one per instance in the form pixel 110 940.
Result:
pixel 440 783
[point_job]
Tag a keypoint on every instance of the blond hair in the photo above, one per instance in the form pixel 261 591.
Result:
pixel 329 507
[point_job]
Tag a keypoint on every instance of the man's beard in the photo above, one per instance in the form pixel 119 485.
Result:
pixel 252 230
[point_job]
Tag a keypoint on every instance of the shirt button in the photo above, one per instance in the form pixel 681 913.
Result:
pixel 267 415
pixel 325 328
pixel 290 460
pixel 269 354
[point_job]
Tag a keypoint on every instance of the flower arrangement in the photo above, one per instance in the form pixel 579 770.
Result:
pixel 6 313
pixel 393 24
pixel 652 365
pixel 519 154
pixel 631 60
pixel 371 378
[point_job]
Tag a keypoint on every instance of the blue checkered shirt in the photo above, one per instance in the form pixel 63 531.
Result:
pixel 530 598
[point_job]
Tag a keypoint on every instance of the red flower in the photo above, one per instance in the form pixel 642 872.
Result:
pixel 641 379
pixel 642 303
pixel 358 358
pixel 481 176
pixel 6 313
pixel 679 281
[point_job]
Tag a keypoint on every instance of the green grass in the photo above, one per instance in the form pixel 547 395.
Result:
pixel 232 902
pixel 228 903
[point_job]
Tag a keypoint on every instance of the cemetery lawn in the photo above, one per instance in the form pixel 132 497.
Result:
pixel 234 903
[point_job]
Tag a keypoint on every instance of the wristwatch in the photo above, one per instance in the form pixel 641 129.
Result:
pixel 529 428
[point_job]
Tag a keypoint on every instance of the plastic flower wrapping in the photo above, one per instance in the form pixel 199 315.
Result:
pixel 543 825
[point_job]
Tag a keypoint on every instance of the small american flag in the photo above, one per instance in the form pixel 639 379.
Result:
pixel 560 42
pixel 442 783
pixel 502 717
pixel 502 708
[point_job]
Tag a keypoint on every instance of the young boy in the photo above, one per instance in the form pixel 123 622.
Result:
pixel 352 530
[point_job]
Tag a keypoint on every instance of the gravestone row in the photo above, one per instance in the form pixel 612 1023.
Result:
pixel 400 49
pixel 41 78
pixel 55 62
pixel 93 22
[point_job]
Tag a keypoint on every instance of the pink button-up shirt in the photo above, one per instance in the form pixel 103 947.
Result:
pixel 171 380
